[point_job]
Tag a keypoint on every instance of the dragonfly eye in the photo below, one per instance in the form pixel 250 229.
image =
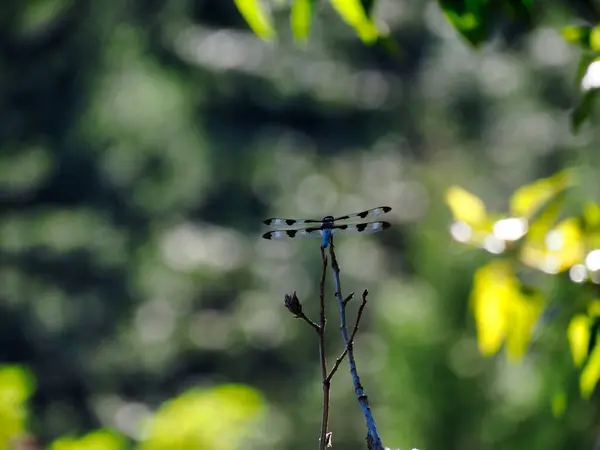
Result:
pixel 327 219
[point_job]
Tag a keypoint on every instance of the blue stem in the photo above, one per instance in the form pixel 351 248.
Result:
pixel 373 439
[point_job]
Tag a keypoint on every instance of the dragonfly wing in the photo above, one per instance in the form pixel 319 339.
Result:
pixel 373 212
pixel 293 234
pixel 362 228
pixel 277 221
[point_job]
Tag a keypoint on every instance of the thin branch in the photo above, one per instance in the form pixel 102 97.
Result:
pixel 373 439
pixel 324 439
pixel 340 358
pixel 310 322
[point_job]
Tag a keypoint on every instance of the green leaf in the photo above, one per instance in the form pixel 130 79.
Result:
pixel 590 374
pixel 301 18
pixel 586 59
pixel 368 6
pixel 256 17
pixel 519 11
pixel 584 110
pixel 577 35
pixel 595 39
pixel 353 13
pixel 468 18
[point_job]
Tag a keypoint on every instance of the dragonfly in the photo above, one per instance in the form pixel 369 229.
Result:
pixel 327 226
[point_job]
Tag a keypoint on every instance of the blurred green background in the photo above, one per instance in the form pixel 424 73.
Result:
pixel 143 142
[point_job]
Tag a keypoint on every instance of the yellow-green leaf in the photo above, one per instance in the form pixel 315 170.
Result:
pixel 594 309
pixel 591 214
pixel 523 313
pixel 503 313
pixel 192 414
pixel 16 386
pixel 555 250
pixel 590 374
pixel 355 15
pixel 559 403
pixel 301 17
pixel 577 35
pixel 595 39
pixel 465 206
pixel 493 289
pixel 256 17
pixel 526 200
pixel 96 440
pixel 578 334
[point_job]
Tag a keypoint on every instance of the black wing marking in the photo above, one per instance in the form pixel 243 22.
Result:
pixel 277 221
pixel 373 212
pixel 363 228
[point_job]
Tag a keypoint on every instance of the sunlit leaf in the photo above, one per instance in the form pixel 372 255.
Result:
pixel 193 415
pixel 591 214
pixel 578 334
pixel 595 39
pixel 594 309
pixel 467 18
pixel 256 17
pixel 527 200
pixel 577 35
pixel 590 374
pixel 493 289
pixel 561 248
pixel 523 313
pixel 504 314
pixel 465 206
pixel 16 386
pixel 97 440
pixel 17 382
pixel 353 13
pixel 301 17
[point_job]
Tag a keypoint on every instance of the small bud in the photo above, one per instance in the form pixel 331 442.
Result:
pixel 292 303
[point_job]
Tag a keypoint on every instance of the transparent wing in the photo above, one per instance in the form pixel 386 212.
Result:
pixel 373 212
pixel 362 228
pixel 293 234
pixel 277 221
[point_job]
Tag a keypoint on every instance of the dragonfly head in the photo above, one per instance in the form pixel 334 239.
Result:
pixel 327 221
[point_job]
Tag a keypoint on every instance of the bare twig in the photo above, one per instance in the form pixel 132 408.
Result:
pixel 310 322
pixel 340 358
pixel 373 439
pixel 324 437
pixel 292 303
pixel 350 297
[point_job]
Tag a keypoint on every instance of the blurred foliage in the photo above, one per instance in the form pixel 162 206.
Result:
pixel 143 142
pixel 478 21
pixel 219 418
pixel 16 386
pixel 97 440
pixel 534 234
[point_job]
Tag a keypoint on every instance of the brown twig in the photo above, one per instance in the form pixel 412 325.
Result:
pixel 340 358
pixel 324 439
pixel 310 322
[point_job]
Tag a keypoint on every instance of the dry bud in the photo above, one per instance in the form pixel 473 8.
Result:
pixel 292 303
